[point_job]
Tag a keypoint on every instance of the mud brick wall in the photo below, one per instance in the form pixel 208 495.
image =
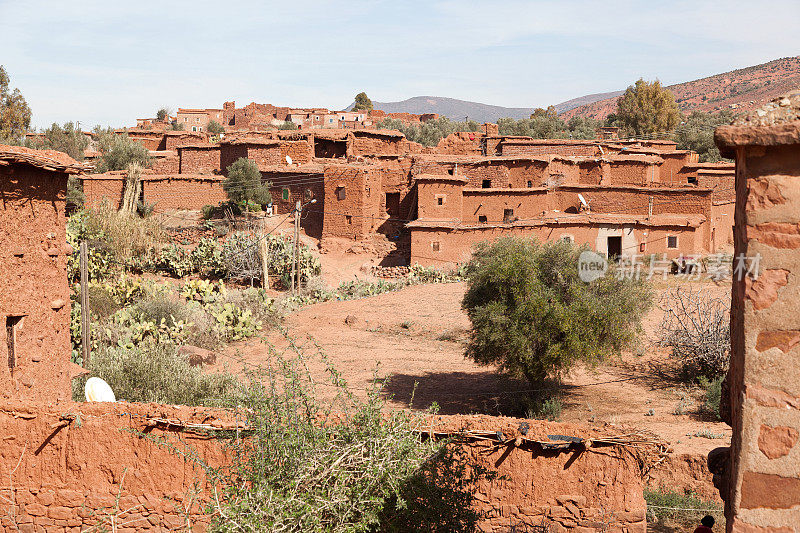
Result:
pixel 174 139
pixel 183 191
pixel 526 203
pixel 97 190
pixel 630 172
pixel 199 159
pixel 167 163
pixel 374 144
pixel 300 151
pixel 266 155
pixel 229 153
pixel 346 217
pixel 763 474
pixel 33 283
pixel 301 189
pixel 527 148
pixel 152 140
pixel 72 466
pixel 461 143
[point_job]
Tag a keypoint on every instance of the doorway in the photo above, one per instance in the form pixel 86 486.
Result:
pixel 393 204
pixel 614 247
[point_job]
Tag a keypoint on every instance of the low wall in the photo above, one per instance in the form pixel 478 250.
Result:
pixel 73 465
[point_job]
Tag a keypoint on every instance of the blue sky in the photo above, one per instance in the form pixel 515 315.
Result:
pixel 110 62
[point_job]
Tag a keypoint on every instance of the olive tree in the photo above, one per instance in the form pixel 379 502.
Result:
pixel 244 186
pixel 535 318
pixel 647 108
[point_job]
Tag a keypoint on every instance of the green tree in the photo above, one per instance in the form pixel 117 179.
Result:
pixel 162 114
pixel 430 132
pixel 534 317
pixel 363 103
pixel 288 125
pixel 119 151
pixel 177 126
pixel 67 138
pixel 647 108
pixel 215 128
pixel 696 132
pixel 15 115
pixel 244 186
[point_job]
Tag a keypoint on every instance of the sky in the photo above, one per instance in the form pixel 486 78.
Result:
pixel 110 62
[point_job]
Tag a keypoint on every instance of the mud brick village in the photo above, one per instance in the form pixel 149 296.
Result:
pixel 429 315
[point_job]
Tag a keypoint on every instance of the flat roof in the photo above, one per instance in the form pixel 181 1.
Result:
pixel 51 160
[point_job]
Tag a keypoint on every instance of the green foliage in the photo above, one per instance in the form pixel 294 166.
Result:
pixel 101 262
pixel 207 211
pixel 348 465
pixel 712 396
pixel 362 103
pixel 152 371
pixel 162 114
pixel 67 138
pixel 666 504
pixel 244 185
pixel 532 315
pixel 119 152
pixel 208 259
pixel 215 128
pixel 176 261
pixel 177 126
pixel 545 409
pixel 647 108
pixel 430 132
pixel 15 115
pixel 548 125
pixel 75 197
pixel 288 125
pixel 235 323
pixel 696 132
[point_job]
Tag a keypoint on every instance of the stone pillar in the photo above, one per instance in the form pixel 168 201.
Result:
pixel 762 479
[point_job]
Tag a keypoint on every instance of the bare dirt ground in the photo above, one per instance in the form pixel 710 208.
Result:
pixel 416 338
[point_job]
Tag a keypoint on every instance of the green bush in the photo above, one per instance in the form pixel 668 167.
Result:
pixel 666 504
pixel 345 466
pixel 208 260
pixel 244 185
pixel 176 261
pixel 120 151
pixel 208 212
pixel 215 128
pixel 712 396
pixel 533 316
pixel 152 371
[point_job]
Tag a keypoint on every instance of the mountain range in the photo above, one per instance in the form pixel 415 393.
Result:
pixel 741 90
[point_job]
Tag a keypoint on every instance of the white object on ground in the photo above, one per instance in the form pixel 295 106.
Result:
pixel 97 390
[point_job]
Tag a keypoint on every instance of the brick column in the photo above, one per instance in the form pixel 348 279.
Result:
pixel 762 489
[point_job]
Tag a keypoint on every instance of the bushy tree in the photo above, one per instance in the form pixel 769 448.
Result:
pixel 647 108
pixel 215 128
pixel 534 317
pixel 430 132
pixel 696 132
pixel 119 151
pixel 15 115
pixel 244 186
pixel 67 138
pixel 162 114
pixel 363 103
pixel 177 126
pixel 288 125
pixel 545 124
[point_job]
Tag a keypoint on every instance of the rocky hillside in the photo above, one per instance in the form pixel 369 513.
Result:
pixel 743 90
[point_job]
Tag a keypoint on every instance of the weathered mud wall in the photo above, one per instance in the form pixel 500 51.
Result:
pixel 72 466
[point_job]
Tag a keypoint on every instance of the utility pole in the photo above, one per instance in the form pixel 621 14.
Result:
pixel 264 249
pixel 85 323
pixel 296 252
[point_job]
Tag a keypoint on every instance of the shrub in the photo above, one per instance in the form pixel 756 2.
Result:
pixel 127 236
pixel 244 186
pixel 215 128
pixel 664 504
pixel 712 396
pixel 533 316
pixel 208 212
pixel 349 465
pixel 153 371
pixel 176 261
pixel 207 258
pixel 697 330
pixel 119 152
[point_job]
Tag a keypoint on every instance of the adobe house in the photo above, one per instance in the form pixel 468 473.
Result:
pixel 759 476
pixel 35 307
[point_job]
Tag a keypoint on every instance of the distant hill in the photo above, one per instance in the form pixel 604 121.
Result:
pixel 452 108
pixel 584 100
pixel 742 90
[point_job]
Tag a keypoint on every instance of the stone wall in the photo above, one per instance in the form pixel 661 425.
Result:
pixel 760 480
pixel 199 159
pixel 183 191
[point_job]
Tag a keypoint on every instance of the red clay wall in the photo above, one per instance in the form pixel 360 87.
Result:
pixel 374 144
pixel 97 190
pixel 165 163
pixel 547 147
pixel 33 284
pixel 72 466
pixel 346 217
pixel 199 159
pixel 183 191
pixel 174 139
pixel 301 152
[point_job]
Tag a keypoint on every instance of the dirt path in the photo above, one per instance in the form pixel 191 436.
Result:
pixel 416 337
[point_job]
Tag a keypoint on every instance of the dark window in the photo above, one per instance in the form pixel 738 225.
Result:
pixel 486 184
pixel 692 180
pixel 614 246
pixel 285 194
pixel 11 339
pixel 451 171
pixel 530 184
pixel 435 246
pixel 340 193
pixel 566 238
pixel 349 219
pixel 440 200
pixel 508 215
pixel 393 204
pixel 672 241
pixel 482 218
